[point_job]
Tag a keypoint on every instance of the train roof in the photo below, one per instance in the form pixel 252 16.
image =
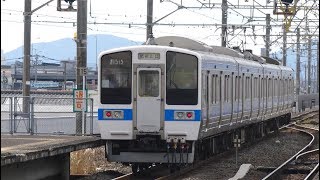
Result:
pixel 201 47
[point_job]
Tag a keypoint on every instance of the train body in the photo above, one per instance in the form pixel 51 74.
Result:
pixel 162 104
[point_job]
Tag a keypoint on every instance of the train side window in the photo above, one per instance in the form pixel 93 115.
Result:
pixel 269 87
pixel 236 88
pixel 266 80
pixel 232 88
pixel 290 87
pixel 253 87
pixel 213 90
pixel 280 89
pixel 259 87
pixel 285 87
pixel 240 88
pixel 245 88
pixel 227 88
pixel 275 94
pixel 219 97
pixel 248 86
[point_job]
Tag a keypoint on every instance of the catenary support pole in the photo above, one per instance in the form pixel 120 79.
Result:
pixel 298 63
pixel 149 18
pixel 26 58
pixel 268 27
pixel 81 54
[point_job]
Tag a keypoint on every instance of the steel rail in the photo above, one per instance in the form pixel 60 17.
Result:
pixel 312 174
pixel 307 153
pixel 123 177
pixel 278 170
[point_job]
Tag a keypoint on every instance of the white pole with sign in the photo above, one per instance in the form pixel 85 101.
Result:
pixel 84 73
pixel 80 98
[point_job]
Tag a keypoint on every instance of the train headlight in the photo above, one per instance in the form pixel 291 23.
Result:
pixel 180 115
pixel 117 114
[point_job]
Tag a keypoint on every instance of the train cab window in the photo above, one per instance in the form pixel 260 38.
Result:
pixel 181 79
pixel 116 73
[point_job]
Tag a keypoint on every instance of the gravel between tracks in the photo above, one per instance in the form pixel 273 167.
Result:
pixel 270 152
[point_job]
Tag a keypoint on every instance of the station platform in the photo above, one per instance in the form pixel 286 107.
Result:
pixel 40 156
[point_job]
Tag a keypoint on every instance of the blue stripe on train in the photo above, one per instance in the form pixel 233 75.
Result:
pixel 127 114
pixel 169 115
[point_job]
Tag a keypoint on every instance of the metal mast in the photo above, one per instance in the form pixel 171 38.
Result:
pixel 224 8
pixel 26 58
pixel 298 63
pixel 81 53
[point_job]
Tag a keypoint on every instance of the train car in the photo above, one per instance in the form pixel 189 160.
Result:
pixel 182 100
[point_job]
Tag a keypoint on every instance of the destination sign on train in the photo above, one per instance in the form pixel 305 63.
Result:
pixel 148 56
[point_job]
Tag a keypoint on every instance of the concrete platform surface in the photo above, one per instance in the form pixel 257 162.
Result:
pixel 21 148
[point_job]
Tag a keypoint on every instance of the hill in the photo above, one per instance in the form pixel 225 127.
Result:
pixel 64 49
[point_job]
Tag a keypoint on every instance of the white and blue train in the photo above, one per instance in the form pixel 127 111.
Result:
pixel 181 100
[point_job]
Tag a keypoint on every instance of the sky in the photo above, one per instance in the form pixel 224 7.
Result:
pixel 49 24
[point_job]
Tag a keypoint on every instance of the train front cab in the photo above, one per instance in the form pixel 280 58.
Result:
pixel 150 104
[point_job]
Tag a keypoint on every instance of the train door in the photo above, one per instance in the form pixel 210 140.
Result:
pixel 148 99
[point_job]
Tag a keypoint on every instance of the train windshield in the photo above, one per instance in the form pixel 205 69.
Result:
pixel 181 79
pixel 116 72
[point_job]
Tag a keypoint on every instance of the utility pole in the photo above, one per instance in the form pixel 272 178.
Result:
pixel 298 63
pixel 309 64
pixel 284 48
pixel 149 19
pixel 268 35
pixel 224 8
pixel 81 55
pixel 26 58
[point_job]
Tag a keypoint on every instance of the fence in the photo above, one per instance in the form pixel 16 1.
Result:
pixel 46 115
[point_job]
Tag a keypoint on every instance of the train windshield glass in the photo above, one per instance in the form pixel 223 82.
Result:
pixel 181 79
pixel 116 78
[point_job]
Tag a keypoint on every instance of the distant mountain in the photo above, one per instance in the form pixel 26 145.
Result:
pixel 64 49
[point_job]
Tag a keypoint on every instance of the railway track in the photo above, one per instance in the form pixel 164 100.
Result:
pixel 183 173
pixel 304 164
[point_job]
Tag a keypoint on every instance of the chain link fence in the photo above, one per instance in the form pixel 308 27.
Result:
pixel 47 115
